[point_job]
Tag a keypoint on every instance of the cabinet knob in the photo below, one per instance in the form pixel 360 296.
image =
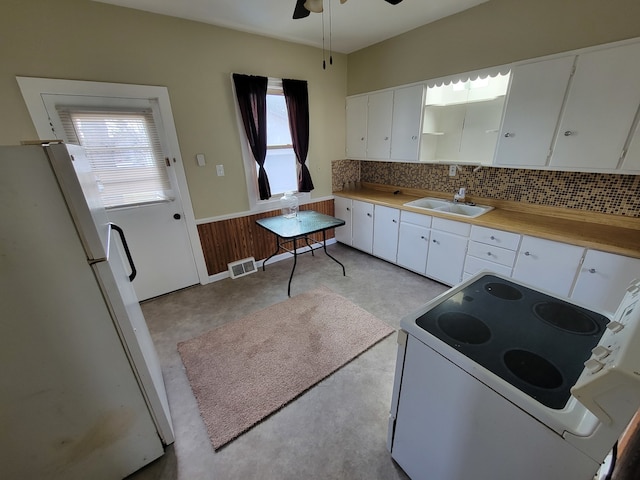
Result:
pixel 414 137
pixel 568 133
pixel 592 270
pixel 489 253
pixel 422 237
pixel 509 134
pixel 492 237
pixel 394 221
pixel 386 138
pixel 527 254
pixel 368 214
pixel 435 241
pixel 348 209
pixel 362 139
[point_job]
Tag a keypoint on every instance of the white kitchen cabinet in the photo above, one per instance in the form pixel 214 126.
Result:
pixel 603 279
pixel 531 114
pixel 447 250
pixel 386 222
pixel 406 123
pixel 357 108
pixel 342 209
pixel 632 158
pixel 413 241
pixel 548 265
pixel 379 121
pixel 490 249
pixel 362 226
pixel 599 109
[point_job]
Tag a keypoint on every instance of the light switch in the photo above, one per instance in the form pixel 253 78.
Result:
pixel 200 159
pixel 220 170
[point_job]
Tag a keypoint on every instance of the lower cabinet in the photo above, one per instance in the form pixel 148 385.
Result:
pixel 603 279
pixel 447 250
pixel 342 209
pixel 362 226
pixel 493 250
pixel 386 222
pixel 547 265
pixel 413 241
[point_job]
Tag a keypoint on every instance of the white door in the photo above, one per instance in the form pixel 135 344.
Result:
pixel 413 245
pixel 445 259
pixel 357 127
pixel 385 232
pixel 342 209
pixel 162 245
pixel 407 120
pixel 379 125
pixel 362 226
pixel 547 265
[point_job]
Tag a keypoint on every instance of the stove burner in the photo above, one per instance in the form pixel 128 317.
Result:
pixel 464 328
pixel 533 369
pixel 566 317
pixel 503 291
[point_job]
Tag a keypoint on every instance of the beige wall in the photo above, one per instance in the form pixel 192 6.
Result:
pixel 493 33
pixel 85 40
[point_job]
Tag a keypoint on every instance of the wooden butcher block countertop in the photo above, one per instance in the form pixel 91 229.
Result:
pixel 609 233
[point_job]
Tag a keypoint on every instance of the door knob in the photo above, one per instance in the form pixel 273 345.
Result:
pixel 177 216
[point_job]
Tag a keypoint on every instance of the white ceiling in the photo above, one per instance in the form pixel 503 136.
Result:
pixel 354 25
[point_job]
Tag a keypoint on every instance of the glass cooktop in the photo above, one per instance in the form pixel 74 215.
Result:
pixel 536 342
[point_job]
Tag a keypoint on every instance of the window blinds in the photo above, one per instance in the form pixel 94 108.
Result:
pixel 125 153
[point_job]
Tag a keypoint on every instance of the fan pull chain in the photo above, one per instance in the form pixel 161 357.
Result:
pixel 330 35
pixel 324 63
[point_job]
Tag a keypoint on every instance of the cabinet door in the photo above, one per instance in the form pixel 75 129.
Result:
pixel 342 209
pixel 446 256
pixel 547 265
pixel 413 245
pixel 603 279
pixel 357 127
pixel 533 107
pixel 600 108
pixel 386 222
pixel 379 125
pixel 362 226
pixel 406 124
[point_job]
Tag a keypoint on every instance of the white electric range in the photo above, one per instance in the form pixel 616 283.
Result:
pixel 497 380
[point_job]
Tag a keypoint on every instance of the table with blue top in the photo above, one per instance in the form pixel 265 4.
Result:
pixel 298 228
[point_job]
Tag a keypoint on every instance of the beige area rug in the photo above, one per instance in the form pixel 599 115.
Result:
pixel 246 370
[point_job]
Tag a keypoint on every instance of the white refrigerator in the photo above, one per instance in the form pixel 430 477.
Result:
pixel 81 390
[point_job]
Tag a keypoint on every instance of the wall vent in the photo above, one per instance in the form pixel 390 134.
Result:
pixel 242 267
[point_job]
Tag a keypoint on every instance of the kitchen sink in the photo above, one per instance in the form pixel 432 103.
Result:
pixel 453 208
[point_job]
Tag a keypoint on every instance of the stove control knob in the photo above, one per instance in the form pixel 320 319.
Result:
pixel 601 352
pixel 593 365
pixel 614 326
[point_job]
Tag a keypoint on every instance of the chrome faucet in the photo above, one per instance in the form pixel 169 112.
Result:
pixel 460 196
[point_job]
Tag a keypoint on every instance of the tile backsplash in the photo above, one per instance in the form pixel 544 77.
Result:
pixel 594 192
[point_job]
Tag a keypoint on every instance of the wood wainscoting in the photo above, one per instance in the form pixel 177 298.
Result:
pixel 226 241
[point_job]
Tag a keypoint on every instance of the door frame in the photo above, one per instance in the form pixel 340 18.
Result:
pixel 33 87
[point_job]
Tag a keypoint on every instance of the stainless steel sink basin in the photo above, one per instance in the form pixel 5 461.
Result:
pixel 452 208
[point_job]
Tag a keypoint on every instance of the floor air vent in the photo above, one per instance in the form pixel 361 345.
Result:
pixel 242 267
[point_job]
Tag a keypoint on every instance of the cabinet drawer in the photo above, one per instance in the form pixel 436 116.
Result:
pixel 498 238
pixel 492 254
pixel 451 226
pixel 473 265
pixel 415 218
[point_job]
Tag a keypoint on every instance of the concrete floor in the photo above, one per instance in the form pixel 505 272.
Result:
pixel 336 430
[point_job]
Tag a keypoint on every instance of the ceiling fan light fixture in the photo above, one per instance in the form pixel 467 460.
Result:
pixel 314 6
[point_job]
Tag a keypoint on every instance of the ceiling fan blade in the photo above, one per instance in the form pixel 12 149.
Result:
pixel 300 11
pixel 393 2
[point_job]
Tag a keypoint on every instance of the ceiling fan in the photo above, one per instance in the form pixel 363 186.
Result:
pixel 305 7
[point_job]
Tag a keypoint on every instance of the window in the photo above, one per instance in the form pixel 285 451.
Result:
pixel 124 150
pixel 273 120
pixel 280 162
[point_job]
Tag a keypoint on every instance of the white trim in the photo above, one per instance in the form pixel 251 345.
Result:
pixel 32 88
pixel 216 277
pixel 264 208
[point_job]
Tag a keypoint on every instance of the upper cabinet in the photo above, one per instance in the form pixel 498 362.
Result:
pixel 574 112
pixel 600 107
pixel 385 125
pixel 533 107
pixel 462 119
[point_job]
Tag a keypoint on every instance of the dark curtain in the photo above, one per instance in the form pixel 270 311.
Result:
pixel 297 98
pixel 251 92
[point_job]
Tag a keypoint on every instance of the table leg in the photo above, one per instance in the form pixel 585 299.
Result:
pixel 324 245
pixel 295 258
pixel 277 250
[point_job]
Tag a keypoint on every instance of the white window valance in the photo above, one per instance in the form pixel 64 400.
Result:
pixel 469 76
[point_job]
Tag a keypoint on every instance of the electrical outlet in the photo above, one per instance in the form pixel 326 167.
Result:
pixel 220 170
pixel 452 170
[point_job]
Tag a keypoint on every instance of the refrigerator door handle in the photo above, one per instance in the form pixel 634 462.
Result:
pixel 134 272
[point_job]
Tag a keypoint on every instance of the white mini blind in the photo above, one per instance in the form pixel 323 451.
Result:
pixel 125 153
